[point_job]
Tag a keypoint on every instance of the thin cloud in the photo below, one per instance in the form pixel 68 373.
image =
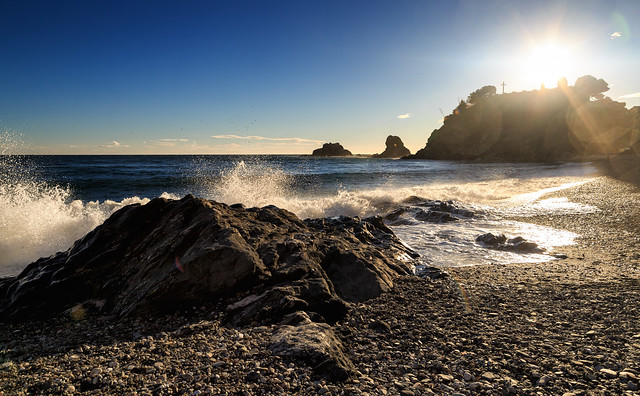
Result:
pixel 404 116
pixel 630 96
pixel 615 35
pixel 174 140
pixel 294 139
pixel 113 144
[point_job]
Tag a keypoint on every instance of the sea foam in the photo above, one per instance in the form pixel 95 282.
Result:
pixel 38 219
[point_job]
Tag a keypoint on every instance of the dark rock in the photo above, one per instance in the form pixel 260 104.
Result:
pixel 170 253
pixel 517 244
pixel 331 150
pixel 491 240
pixel 380 326
pixel 316 345
pixel 427 211
pixel 395 148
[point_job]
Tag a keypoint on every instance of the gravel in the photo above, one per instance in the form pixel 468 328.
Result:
pixel 566 327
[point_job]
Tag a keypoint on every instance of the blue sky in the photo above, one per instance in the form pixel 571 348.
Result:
pixel 123 77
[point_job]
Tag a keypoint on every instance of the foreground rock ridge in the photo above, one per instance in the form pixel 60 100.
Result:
pixel 167 253
pixel 268 264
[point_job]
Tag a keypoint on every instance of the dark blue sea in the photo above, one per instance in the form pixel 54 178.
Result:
pixel 48 202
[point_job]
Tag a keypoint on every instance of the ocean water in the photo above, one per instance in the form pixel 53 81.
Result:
pixel 48 202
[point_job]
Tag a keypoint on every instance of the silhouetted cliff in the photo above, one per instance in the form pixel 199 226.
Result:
pixel 395 148
pixel 546 125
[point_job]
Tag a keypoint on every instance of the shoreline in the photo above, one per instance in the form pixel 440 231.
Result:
pixel 565 326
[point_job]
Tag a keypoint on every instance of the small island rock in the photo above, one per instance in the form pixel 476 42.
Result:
pixel 395 148
pixel 331 150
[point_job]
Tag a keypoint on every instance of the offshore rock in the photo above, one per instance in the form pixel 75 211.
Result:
pixel 331 150
pixel 394 148
pixel 168 253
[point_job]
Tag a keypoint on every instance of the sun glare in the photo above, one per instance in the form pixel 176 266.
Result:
pixel 545 64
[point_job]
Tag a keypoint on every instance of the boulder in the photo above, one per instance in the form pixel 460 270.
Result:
pixel 417 209
pixel 501 242
pixel 169 253
pixel 316 345
pixel 331 150
pixel 394 148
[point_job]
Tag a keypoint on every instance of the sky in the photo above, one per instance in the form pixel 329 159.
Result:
pixel 283 77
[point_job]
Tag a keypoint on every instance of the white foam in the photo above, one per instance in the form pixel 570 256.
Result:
pixel 37 220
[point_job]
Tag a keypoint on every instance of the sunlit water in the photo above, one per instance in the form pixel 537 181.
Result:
pixel 46 203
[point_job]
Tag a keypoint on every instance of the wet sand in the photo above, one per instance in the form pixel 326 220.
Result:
pixel 564 327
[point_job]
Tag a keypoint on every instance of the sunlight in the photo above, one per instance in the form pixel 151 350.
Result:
pixel 545 64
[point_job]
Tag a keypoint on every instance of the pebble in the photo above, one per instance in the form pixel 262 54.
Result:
pixel 544 380
pixel 609 373
pixel 489 376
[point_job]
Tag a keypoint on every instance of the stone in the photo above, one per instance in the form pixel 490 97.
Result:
pixel 316 345
pixel 380 326
pixel 445 378
pixel 543 381
pixel 394 148
pixel 609 373
pixel 488 376
pixel 501 242
pixel 628 375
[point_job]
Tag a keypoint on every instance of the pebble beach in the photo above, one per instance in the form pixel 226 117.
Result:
pixel 565 327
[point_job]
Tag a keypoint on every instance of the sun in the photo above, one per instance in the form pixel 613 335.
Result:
pixel 545 64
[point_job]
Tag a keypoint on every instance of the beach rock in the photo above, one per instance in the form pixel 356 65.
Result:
pixel 394 148
pixel 317 346
pixel 331 150
pixel 501 242
pixel 169 253
pixel 425 210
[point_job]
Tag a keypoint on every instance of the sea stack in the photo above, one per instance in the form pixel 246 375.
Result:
pixel 395 148
pixel 331 150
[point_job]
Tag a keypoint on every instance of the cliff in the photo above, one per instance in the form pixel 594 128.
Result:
pixel 535 126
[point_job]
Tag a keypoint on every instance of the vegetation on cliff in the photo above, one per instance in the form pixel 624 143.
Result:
pixel 543 125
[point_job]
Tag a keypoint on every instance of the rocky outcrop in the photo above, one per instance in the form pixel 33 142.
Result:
pixel 394 148
pixel 168 253
pixel 331 150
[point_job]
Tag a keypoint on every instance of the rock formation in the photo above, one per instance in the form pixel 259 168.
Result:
pixel 168 253
pixel 395 148
pixel 331 150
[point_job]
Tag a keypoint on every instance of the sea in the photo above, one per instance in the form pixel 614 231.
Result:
pixel 48 202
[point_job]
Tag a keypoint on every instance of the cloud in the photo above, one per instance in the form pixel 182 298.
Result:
pixel 293 139
pixel 174 140
pixel 404 116
pixel 113 144
pixel 615 35
pixel 630 96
